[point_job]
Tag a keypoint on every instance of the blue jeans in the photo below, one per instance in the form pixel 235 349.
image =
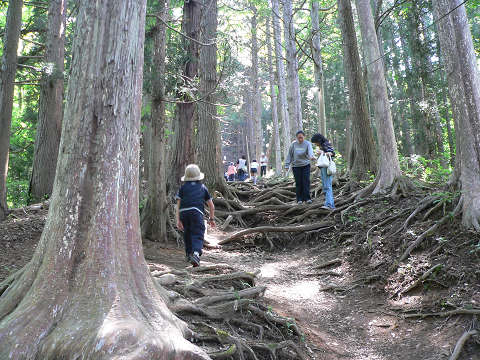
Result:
pixel 302 182
pixel 193 231
pixel 327 188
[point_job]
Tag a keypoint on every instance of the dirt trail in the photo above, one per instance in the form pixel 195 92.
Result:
pixel 357 324
pixel 361 323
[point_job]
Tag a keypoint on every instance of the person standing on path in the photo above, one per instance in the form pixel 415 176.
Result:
pixel 242 168
pixel 327 148
pixel 299 156
pixel 254 171
pixel 191 198
pixel 263 165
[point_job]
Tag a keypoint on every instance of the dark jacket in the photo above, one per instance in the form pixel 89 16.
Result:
pixel 320 140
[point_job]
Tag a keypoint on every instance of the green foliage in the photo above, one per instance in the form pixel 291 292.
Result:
pixel 416 166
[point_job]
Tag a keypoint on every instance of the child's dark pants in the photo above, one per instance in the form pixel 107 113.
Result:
pixel 194 231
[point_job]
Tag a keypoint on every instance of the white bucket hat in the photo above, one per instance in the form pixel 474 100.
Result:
pixel 192 173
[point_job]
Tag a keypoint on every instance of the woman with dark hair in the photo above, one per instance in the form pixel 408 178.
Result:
pixel 327 148
pixel 299 156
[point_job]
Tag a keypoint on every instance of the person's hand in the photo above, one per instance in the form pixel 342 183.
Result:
pixel 328 154
pixel 179 225
pixel 211 222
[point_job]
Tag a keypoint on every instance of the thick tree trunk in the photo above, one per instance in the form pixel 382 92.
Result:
pixel 274 107
pixel 363 155
pixel 88 284
pixel 208 126
pixel 282 87
pixel 50 113
pixel 292 66
pixel 155 213
pixel 318 69
pixel 186 111
pixel 7 77
pixel 389 165
pixel 257 100
pixel 470 125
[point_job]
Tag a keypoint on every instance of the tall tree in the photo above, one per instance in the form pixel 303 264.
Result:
pixel 88 283
pixel 429 135
pixel 50 112
pixel 282 86
pixel 274 102
pixel 470 124
pixel 7 78
pixel 389 166
pixel 186 111
pixel 155 213
pixel 292 66
pixel 209 145
pixel 363 152
pixel 255 82
pixel 318 69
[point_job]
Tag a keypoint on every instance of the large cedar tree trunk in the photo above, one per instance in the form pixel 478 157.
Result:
pixel 274 103
pixel 389 166
pixel 292 66
pixel 50 112
pixel 363 156
pixel 88 293
pixel 209 145
pixel 318 69
pixel 257 99
pixel 155 213
pixel 470 124
pixel 186 111
pixel 7 77
pixel 282 86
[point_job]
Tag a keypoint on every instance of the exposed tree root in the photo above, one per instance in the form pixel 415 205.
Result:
pixel 269 316
pixel 265 229
pixel 272 349
pixel 430 231
pixel 328 263
pixel 420 279
pixel 444 313
pixel 425 203
pixel 461 341
pixel 355 284
pixel 402 188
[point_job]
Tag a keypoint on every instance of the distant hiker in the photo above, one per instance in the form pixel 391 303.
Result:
pixel 327 148
pixel 231 171
pixel 263 165
pixel 254 171
pixel 298 157
pixel 242 168
pixel 191 198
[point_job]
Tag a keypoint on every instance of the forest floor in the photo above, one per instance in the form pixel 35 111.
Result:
pixel 346 290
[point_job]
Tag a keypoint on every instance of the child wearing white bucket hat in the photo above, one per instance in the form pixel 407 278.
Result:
pixel 191 198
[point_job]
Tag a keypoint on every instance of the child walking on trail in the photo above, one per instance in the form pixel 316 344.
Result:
pixel 191 198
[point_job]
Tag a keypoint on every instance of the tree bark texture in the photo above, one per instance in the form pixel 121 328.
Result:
pixel 209 147
pixel 282 86
pixel 257 97
pixel 155 213
pixel 50 112
pixel 363 153
pixel 292 66
pixel 318 69
pixel 389 166
pixel 274 102
pixel 469 125
pixel 87 293
pixel 186 112
pixel 7 78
